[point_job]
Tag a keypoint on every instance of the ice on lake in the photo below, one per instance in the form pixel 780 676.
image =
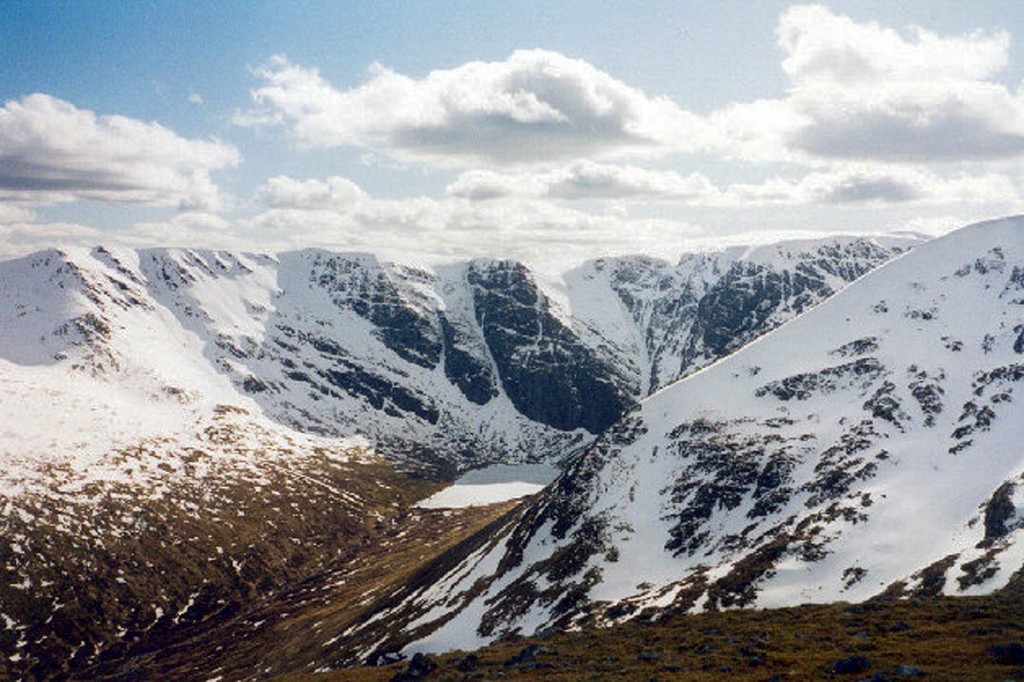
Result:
pixel 492 484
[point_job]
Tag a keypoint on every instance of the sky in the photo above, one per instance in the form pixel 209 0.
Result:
pixel 548 132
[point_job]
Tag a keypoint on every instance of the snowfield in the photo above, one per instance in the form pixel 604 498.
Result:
pixel 492 484
pixel 870 445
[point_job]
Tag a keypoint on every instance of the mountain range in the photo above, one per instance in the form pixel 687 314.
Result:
pixel 188 432
pixel 869 448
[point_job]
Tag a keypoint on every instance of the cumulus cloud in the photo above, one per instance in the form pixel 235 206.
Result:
pixel 536 106
pixel 822 46
pixel 863 91
pixel 13 213
pixel 333 193
pixel 858 91
pixel 585 180
pixel 51 151
pixel 858 184
pixel 872 185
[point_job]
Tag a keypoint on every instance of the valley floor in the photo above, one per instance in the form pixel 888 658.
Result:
pixel 934 639
pixel 297 628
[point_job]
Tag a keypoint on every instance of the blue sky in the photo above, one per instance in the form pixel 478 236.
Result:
pixel 468 128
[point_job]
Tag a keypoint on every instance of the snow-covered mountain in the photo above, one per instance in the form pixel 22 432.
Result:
pixel 871 446
pixel 448 367
pixel 133 512
pixel 183 432
pixel 675 319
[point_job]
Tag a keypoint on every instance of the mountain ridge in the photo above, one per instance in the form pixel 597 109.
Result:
pixel 477 352
pixel 813 476
pixel 158 394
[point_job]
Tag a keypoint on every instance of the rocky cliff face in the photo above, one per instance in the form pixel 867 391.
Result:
pixel 548 373
pixel 443 368
pixel 676 319
pixel 183 431
pixel 869 447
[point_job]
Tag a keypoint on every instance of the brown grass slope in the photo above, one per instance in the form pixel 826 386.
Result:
pixel 943 638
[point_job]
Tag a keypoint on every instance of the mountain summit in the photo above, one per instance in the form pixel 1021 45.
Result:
pixel 869 447
pixel 186 432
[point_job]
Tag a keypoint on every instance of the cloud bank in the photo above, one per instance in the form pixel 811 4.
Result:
pixel 535 107
pixel 540 152
pixel 866 92
pixel 51 151
pixel 863 184
pixel 858 91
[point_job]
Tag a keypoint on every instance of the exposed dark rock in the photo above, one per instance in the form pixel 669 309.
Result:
pixel 739 586
pixel 386 658
pixel 547 373
pixel 1008 654
pixel 977 418
pixel 868 344
pixel 803 386
pixel 372 292
pixel 998 510
pixel 841 464
pixel 921 314
pixel 742 300
pixel 882 405
pixel 527 655
pixel 927 391
pixel 472 374
pixel 723 468
pixel 933 577
pixel 379 392
pixel 419 667
pixel 849 666
pixel 852 576
pixel 772 492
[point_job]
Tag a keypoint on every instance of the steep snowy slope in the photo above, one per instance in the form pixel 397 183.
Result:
pixel 448 368
pixel 664 321
pixel 142 495
pixel 132 513
pixel 871 445
pixel 169 418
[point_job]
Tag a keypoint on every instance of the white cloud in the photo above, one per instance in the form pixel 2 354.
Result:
pixel 850 184
pixel 919 123
pixel 540 232
pixel 874 185
pixel 535 107
pixel 187 230
pixel 332 193
pixel 585 180
pixel 13 213
pixel 822 46
pixel 51 151
pixel 19 238
pixel 859 91
pixel 863 91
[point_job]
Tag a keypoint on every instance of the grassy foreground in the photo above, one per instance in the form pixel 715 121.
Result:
pixel 931 639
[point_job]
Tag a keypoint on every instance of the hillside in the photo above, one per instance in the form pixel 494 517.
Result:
pixel 188 435
pixel 868 447
pixel 442 369
pixel 942 638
